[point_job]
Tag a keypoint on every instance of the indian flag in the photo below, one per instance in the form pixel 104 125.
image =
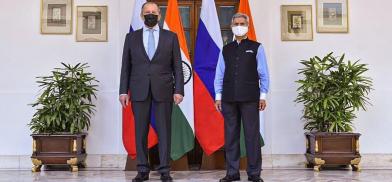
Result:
pixel 182 138
pixel 245 9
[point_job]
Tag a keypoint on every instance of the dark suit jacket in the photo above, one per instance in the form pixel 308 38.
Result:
pixel 163 74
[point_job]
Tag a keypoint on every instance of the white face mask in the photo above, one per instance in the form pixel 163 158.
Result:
pixel 239 30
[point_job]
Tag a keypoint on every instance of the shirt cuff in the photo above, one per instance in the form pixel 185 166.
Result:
pixel 263 96
pixel 218 96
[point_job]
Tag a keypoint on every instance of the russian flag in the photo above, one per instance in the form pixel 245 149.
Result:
pixel 209 126
pixel 128 124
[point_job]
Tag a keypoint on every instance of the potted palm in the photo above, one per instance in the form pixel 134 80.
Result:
pixel 62 117
pixel 331 91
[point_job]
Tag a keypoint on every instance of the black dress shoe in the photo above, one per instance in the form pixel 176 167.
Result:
pixel 141 176
pixel 229 178
pixel 165 177
pixel 255 178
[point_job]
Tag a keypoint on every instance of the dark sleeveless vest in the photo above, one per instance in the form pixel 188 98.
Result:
pixel 241 79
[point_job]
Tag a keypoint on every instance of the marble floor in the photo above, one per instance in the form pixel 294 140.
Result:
pixel 116 175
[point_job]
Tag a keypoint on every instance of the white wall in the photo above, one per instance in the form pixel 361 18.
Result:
pixel 369 40
pixel 25 54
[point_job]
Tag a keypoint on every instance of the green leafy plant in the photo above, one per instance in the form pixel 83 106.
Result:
pixel 65 105
pixel 331 90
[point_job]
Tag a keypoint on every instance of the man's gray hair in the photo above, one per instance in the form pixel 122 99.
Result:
pixel 151 2
pixel 240 15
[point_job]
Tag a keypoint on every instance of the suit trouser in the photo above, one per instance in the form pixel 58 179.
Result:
pixel 233 113
pixel 142 115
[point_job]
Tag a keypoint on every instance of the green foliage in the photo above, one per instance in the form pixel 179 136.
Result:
pixel 65 104
pixel 331 90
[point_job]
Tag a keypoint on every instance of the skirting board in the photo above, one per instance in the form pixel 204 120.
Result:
pixel 270 161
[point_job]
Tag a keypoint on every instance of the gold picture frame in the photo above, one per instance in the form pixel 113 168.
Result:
pixel 296 23
pixel 56 16
pixel 332 16
pixel 91 23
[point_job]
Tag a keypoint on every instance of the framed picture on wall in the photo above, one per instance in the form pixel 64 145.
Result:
pixel 92 24
pixel 296 23
pixel 332 16
pixel 56 16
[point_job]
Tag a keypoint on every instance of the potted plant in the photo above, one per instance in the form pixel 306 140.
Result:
pixel 63 112
pixel 332 90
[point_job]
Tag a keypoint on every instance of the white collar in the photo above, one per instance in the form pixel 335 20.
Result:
pixel 156 28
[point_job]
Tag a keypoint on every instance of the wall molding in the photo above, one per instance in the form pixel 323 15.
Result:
pixel 270 161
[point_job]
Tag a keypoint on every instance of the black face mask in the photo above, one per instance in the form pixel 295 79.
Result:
pixel 150 20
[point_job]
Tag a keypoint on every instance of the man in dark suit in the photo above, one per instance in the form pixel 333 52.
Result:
pixel 152 73
pixel 241 85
